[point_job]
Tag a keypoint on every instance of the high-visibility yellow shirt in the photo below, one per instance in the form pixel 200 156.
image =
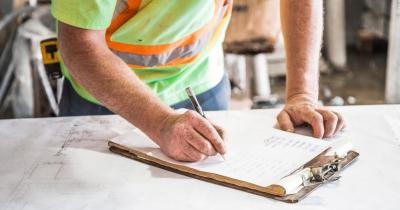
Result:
pixel 169 44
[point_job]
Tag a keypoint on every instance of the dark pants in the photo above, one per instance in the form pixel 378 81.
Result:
pixel 217 98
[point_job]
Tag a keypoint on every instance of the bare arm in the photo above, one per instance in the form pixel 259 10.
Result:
pixel 302 24
pixel 302 29
pixel 113 83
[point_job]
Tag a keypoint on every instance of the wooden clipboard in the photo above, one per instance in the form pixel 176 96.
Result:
pixel 275 191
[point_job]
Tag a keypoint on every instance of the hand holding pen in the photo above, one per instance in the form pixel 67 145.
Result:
pixel 197 107
pixel 189 137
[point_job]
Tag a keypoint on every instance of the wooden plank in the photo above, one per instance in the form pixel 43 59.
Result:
pixel 17 4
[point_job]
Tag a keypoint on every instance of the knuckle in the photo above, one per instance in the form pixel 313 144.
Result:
pixel 317 118
pixel 331 117
pixel 190 115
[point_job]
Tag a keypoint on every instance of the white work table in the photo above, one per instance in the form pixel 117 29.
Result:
pixel 64 163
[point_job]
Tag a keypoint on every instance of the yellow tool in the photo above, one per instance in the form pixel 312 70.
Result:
pixel 51 60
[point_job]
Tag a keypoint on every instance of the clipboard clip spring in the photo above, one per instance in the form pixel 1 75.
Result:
pixel 323 173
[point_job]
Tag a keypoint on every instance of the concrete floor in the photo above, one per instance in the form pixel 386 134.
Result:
pixel 364 80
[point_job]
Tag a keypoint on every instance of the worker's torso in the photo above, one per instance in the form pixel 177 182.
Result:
pixel 170 44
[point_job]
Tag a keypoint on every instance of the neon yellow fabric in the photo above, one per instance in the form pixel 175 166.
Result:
pixel 88 14
pixel 153 25
pixel 156 22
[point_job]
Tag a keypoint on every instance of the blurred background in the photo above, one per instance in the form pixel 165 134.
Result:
pixel 359 64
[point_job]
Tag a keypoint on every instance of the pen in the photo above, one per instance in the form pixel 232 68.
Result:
pixel 197 106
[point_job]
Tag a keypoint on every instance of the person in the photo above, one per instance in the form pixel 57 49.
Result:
pixel 136 57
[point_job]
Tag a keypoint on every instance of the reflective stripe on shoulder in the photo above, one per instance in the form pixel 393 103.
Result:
pixel 167 57
pixel 163 58
pixel 125 9
pixel 119 7
pixel 181 52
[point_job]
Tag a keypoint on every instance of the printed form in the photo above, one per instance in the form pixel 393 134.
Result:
pixel 257 154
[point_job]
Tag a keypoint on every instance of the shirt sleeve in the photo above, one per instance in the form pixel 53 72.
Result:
pixel 87 14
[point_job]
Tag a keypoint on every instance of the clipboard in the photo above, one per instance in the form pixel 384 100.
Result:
pixel 292 188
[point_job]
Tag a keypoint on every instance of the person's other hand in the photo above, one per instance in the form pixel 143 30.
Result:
pixel 190 137
pixel 302 109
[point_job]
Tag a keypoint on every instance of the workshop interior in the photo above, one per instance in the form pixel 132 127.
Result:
pixel 200 104
pixel 357 63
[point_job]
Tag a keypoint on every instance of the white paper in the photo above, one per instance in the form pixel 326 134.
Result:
pixel 258 155
pixel 91 177
pixel 394 124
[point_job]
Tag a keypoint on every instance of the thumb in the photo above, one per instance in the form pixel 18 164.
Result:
pixel 284 122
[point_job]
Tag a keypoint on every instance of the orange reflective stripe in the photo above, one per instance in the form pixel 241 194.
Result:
pixel 217 32
pixel 229 3
pixel 186 60
pixel 181 55
pixel 156 49
pixel 179 61
pixel 128 13
pixel 180 52
pixel 213 39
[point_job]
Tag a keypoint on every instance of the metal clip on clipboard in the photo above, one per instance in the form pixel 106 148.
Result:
pixel 323 169
pixel 324 173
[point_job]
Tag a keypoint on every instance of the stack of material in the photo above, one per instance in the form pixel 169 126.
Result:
pixel 375 20
pixel 254 27
pixel 375 24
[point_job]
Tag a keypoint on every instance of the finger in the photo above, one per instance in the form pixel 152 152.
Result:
pixel 341 122
pixel 200 144
pixel 315 119
pixel 205 129
pixel 192 155
pixel 210 133
pixel 330 121
pixel 220 131
pixel 284 122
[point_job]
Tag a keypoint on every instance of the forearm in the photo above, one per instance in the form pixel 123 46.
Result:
pixel 112 82
pixel 302 24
